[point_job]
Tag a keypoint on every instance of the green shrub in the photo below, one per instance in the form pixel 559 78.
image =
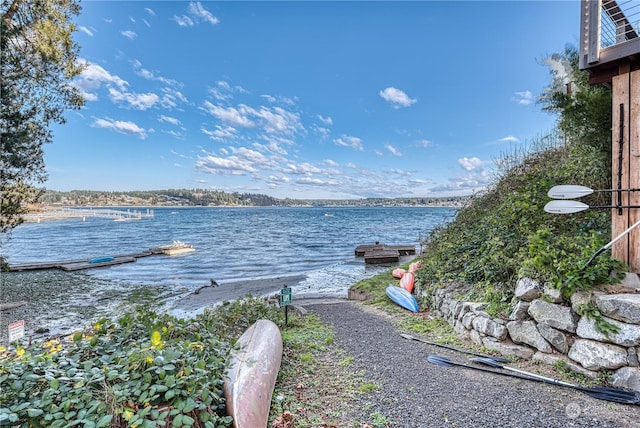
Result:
pixel 146 369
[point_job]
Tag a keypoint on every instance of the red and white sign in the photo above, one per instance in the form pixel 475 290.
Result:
pixel 16 330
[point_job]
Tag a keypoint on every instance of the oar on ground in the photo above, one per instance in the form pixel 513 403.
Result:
pixel 452 348
pixel 603 393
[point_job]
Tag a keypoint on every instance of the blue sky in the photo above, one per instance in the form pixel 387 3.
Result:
pixel 306 99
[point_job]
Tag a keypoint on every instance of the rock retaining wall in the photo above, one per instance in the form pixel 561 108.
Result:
pixel 544 329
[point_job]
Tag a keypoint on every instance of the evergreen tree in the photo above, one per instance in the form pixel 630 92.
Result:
pixel 38 61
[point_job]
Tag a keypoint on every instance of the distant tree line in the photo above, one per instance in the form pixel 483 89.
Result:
pixel 202 197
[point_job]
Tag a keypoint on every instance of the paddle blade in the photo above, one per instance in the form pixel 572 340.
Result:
pixel 613 394
pixel 569 191
pixel 441 361
pixel 565 207
pixel 488 361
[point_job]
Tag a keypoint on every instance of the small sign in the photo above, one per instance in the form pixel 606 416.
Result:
pixel 16 330
pixel 285 296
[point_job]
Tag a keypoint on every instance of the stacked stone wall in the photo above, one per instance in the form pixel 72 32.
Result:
pixel 544 328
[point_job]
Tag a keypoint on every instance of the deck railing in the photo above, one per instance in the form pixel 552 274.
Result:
pixel 608 31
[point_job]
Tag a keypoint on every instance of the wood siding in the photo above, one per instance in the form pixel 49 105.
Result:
pixel 626 93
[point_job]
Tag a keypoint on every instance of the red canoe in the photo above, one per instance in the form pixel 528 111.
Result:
pixel 407 281
pixel 252 374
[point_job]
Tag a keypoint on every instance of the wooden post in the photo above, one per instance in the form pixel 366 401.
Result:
pixel 625 158
pixel 632 169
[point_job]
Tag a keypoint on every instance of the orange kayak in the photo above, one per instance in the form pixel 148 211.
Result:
pixel 252 375
pixel 413 267
pixel 397 273
pixel 407 282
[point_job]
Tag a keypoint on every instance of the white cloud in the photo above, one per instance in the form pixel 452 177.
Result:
pixel 509 139
pixel 223 91
pixel 396 97
pixel 221 133
pixel 242 161
pixel 143 72
pixel 230 115
pixel 393 150
pixel 174 133
pixel 171 98
pixel 275 121
pixel 279 120
pixel 133 100
pixel 523 98
pixel 170 120
pixel 131 35
pixel 464 184
pixel 92 77
pixel 425 143
pixel 123 127
pixel 470 163
pixel 325 120
pixel 150 11
pixel 196 9
pixel 183 21
pixel 85 30
pixel 324 133
pixel 349 141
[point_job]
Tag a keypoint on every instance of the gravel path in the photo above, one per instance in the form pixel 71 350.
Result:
pixel 415 393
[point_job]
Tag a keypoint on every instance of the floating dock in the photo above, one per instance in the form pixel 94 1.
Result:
pixel 380 253
pixel 98 262
pixel 84 213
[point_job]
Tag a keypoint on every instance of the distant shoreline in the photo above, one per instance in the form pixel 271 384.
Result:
pixel 213 198
pixel 48 213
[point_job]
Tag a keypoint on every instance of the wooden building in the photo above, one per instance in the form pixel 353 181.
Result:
pixel 610 51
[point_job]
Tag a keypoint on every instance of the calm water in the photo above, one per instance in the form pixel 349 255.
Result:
pixel 231 243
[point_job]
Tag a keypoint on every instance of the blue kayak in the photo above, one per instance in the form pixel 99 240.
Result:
pixel 402 297
pixel 101 260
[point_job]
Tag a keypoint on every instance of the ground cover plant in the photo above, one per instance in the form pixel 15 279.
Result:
pixel 145 369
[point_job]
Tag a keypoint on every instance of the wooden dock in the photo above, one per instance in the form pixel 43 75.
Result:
pixel 380 253
pixel 84 213
pixel 96 262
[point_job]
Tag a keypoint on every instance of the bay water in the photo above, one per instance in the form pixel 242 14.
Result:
pixel 232 245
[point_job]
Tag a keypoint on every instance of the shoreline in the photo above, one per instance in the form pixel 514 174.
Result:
pixel 195 302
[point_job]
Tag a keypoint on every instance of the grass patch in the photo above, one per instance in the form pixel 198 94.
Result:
pixel 368 387
pixel 436 329
pixel 317 382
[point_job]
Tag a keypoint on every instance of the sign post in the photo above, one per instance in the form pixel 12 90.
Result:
pixel 16 330
pixel 285 300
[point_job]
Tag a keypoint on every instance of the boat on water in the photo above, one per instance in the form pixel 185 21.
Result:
pixel 402 297
pixel 176 248
pixel 252 373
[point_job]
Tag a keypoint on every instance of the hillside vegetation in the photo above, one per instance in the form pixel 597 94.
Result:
pixel 214 198
pixel 504 233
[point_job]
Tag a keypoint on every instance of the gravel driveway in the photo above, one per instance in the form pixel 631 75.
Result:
pixel 415 393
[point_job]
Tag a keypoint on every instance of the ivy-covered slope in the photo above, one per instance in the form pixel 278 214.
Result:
pixel 504 233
